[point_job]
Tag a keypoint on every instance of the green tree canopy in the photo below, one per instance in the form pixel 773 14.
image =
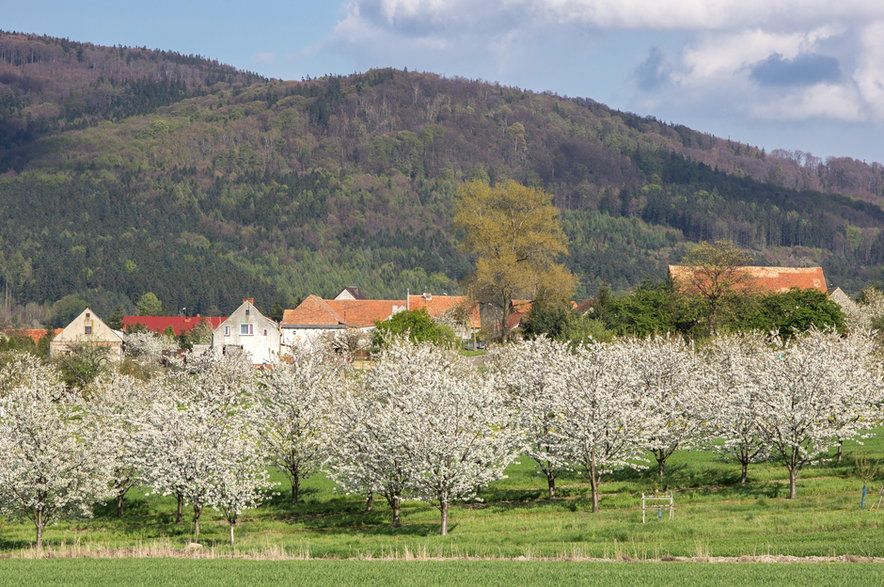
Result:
pixel 417 326
pixel 795 311
pixel 513 231
pixel 65 310
pixel 149 305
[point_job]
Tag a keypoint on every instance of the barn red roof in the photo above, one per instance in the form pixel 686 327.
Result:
pixel 758 279
pixel 180 324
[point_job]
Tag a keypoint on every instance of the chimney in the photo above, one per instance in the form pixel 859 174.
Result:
pixel 428 296
pixel 249 300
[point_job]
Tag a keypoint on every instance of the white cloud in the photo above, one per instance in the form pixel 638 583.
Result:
pixel 869 74
pixel 622 14
pixel 715 45
pixel 728 54
pixel 826 101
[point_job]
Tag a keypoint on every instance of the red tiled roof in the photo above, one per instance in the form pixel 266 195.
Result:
pixel 34 334
pixel 437 306
pixel 759 279
pixel 180 324
pixel 313 311
pixel 362 313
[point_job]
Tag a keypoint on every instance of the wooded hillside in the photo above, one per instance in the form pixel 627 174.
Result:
pixel 128 170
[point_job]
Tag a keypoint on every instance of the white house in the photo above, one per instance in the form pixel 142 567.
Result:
pixel 248 331
pixel 315 318
pixel 88 329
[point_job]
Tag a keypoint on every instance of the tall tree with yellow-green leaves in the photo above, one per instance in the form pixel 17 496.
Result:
pixel 513 231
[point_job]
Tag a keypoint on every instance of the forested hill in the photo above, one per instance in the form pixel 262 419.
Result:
pixel 49 84
pixel 234 185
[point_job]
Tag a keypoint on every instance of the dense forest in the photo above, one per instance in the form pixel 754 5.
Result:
pixel 127 170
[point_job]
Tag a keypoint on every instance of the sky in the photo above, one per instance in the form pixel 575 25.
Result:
pixel 801 75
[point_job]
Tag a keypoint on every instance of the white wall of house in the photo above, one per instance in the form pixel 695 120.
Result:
pixel 87 329
pixel 304 338
pixel 248 331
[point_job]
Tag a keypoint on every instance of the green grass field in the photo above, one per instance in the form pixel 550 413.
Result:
pixel 715 517
pixel 230 572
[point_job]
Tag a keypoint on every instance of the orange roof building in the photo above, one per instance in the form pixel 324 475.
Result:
pixel 315 317
pixel 439 306
pixel 34 334
pixel 315 312
pixel 756 279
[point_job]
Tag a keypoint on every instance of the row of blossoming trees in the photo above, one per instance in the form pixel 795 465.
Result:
pixel 425 423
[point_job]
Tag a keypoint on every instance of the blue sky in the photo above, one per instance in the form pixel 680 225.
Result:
pixel 795 74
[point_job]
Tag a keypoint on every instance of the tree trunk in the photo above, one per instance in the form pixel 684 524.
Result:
pixel 180 513
pixel 444 507
pixel 505 315
pixel 196 520
pixel 40 523
pixel 119 505
pixel 551 485
pixel 793 474
pixel 661 463
pixel 296 487
pixel 369 502
pixel 594 485
pixel 840 454
pixel 232 526
pixel 396 505
pixel 744 471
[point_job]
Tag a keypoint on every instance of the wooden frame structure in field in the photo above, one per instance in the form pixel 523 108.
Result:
pixel 659 503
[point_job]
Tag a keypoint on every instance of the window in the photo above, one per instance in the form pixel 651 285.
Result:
pixel 245 329
pixel 88 330
pixel 227 331
pixel 247 311
pixel 265 332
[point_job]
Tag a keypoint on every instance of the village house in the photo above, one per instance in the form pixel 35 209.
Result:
pixel 35 334
pixel 88 329
pixel 751 279
pixel 247 331
pixel 314 319
pixel 454 311
pixel 179 324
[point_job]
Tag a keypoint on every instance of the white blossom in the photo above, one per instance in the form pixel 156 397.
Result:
pixel 816 390
pixel 532 374
pixel 604 419
pixel 54 457
pixel 294 401
pixel 733 395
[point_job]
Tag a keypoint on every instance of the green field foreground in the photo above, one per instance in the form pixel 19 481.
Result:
pixel 715 517
pixel 233 572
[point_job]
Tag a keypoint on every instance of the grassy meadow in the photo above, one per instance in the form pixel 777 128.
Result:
pixel 715 517
pixel 133 572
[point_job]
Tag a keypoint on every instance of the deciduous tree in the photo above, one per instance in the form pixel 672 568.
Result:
pixel 815 391
pixel 55 457
pixel 717 274
pixel 603 416
pixel 294 403
pixel 514 233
